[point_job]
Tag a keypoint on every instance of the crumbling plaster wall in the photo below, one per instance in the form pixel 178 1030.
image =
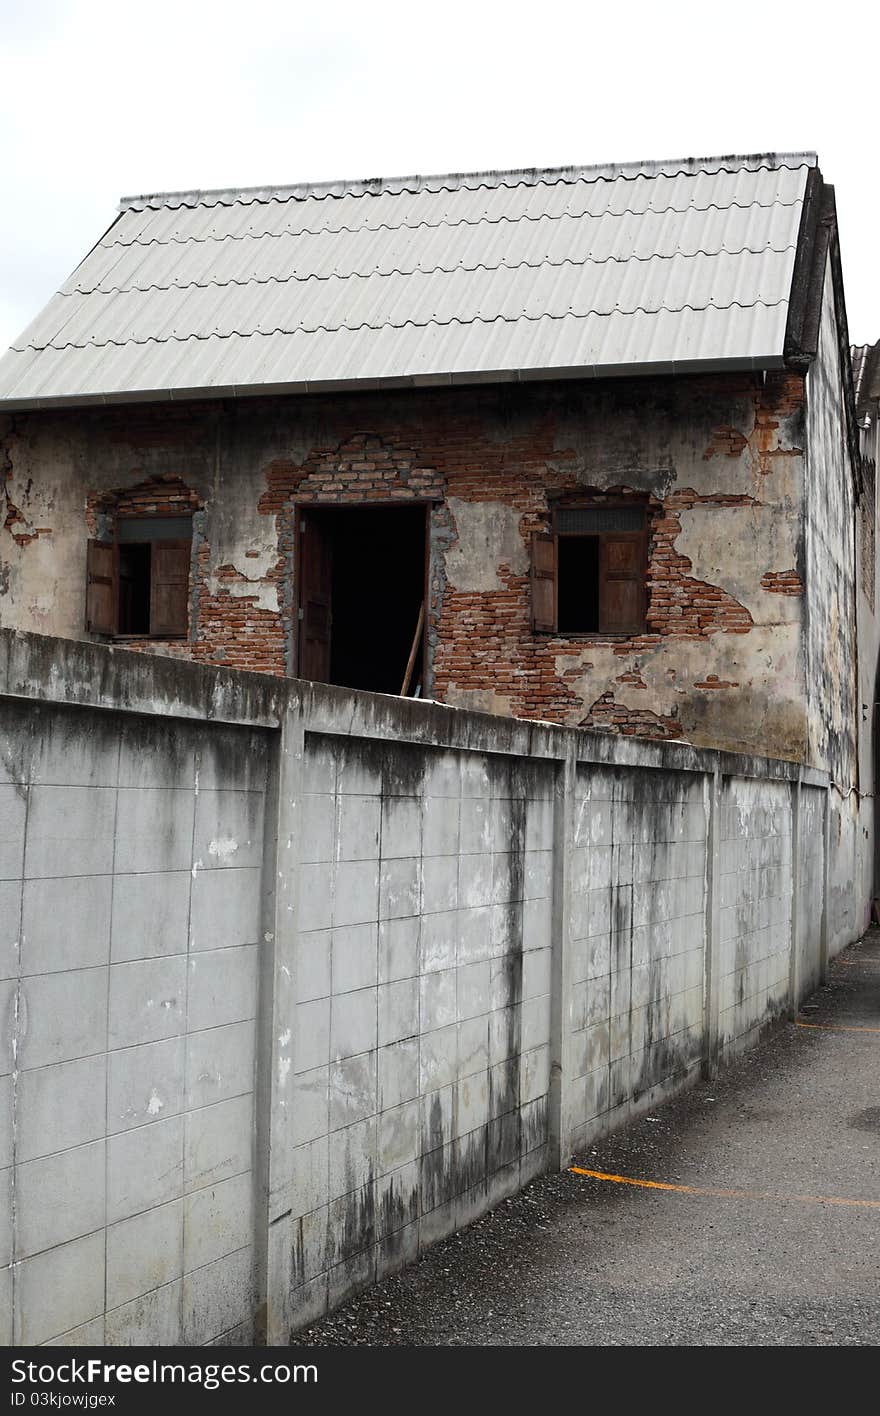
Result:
pixel 720 460
pixel 868 722
pixel 830 636
pixel 65 470
pixel 838 729
pixel 868 610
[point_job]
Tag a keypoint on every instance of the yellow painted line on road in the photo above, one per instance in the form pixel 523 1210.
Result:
pixel 834 1027
pixel 723 1194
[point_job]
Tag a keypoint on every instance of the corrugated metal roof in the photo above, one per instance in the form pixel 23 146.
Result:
pixel 589 271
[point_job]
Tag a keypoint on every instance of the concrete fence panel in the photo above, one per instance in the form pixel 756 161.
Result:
pixel 422 1013
pixel 755 936
pixel 637 940
pixel 296 981
pixel 810 897
pixel 131 908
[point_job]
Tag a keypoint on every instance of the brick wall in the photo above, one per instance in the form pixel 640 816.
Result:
pixel 484 640
pixel 720 445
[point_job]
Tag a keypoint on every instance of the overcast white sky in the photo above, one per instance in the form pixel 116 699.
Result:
pixel 100 98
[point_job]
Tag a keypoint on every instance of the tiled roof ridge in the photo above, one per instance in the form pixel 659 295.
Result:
pixel 472 181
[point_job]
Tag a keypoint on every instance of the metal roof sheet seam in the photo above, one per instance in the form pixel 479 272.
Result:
pixel 176 338
pixel 444 222
pixel 480 277
pixel 302 277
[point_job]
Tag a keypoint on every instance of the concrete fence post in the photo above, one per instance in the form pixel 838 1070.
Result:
pixel 826 887
pixel 712 971
pixel 560 1121
pixel 275 1041
pixel 795 981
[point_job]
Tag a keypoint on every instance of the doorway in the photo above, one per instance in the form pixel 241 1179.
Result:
pixel 361 582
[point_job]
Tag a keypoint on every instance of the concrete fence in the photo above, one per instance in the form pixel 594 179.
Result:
pixel 299 980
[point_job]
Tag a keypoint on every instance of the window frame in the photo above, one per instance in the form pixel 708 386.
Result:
pixel 108 623
pixel 540 543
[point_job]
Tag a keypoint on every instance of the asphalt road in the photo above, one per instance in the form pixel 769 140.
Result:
pixel 578 1261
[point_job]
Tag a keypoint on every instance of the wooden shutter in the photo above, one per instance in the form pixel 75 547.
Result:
pixel 315 575
pixel 622 584
pixel 102 593
pixel 543 582
pixel 169 588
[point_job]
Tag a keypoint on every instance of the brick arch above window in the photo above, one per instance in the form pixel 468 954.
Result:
pixel 138 565
pixel 160 495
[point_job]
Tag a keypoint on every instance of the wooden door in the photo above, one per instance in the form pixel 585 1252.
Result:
pixel 543 577
pixel 314 574
pixel 102 588
pixel 622 584
pixel 169 588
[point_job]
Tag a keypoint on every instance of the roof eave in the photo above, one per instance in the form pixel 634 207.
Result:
pixel 590 372
pixel 818 250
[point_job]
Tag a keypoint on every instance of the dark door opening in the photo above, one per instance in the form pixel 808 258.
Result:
pixel 361 578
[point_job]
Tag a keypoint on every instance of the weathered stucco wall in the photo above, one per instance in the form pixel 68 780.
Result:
pixel 347 970
pixel 840 639
pixel 868 603
pixel 64 473
pixel 720 459
pixel 830 646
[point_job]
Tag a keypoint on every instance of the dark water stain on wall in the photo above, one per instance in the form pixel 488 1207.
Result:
pixel 449 1164
pixel 456 1165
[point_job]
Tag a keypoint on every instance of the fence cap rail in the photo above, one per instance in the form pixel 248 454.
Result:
pixel 77 673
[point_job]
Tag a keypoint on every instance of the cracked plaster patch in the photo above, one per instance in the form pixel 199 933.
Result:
pixel 488 536
pixel 732 547
pixel 765 661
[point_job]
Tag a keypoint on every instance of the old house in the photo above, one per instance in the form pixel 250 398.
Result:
pixel 598 421
pixel 579 446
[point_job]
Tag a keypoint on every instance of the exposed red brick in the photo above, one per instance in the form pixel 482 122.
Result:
pixel 782 582
pixel 726 442
pixel 606 715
